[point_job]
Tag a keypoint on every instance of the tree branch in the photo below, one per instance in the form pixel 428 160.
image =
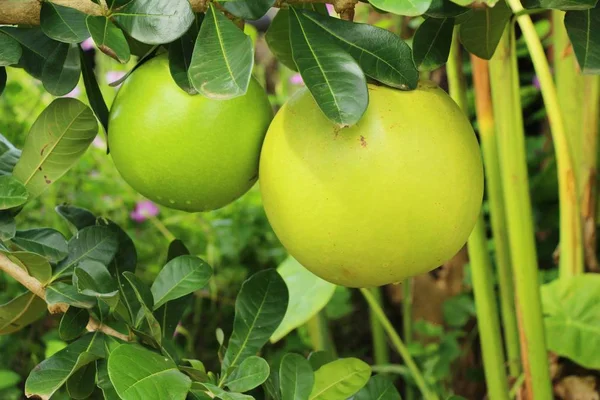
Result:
pixel 36 287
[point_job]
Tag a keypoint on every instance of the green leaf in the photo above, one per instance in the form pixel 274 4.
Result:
pixel 73 323
pixel 57 139
pixel 249 10
pixel 35 264
pixel 8 227
pixel 445 9
pixel 91 278
pixel 223 58
pixel 103 380
pixel 251 373
pixel 82 383
pixel 36 47
pixel 3 78
pixel 308 294
pixel 12 193
pixel 381 54
pixel 319 358
pixel 176 248
pixel 482 32
pixel 147 326
pixel 60 292
pixel 217 392
pixel 296 377
pixel 560 4
pixel 181 276
pixel 572 318
pixel 78 217
pixel 278 39
pixel 170 314
pixel 583 28
pixel 431 43
pixel 62 70
pixel 180 56
pixel 379 387
pixel 63 24
pixel 8 379
pixel 20 312
pixel 108 38
pixel 92 90
pixel 458 310
pixel 9 155
pixel 52 373
pixel 335 80
pixel 259 309
pixel 409 8
pixel 46 242
pixel 142 291
pixel 137 373
pixel 10 50
pixel 155 21
pixel 340 379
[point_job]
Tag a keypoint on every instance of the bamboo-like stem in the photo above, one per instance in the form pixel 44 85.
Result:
pixel 571 243
pixel 481 268
pixel 320 337
pixel 36 287
pixel 489 146
pixel 380 347
pixel 407 325
pixel 400 347
pixel 511 143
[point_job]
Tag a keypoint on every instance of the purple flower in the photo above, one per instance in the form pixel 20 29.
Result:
pixel 296 79
pixel 143 210
pixel 99 143
pixel 112 76
pixel 74 93
pixel 87 44
pixel 330 9
pixel 536 82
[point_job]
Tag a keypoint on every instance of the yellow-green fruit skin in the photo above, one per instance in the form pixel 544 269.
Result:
pixel 393 196
pixel 186 152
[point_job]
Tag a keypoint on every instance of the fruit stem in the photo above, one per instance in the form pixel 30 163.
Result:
pixel 521 235
pixel 380 348
pixel 400 347
pixel 407 302
pixel 162 228
pixel 320 337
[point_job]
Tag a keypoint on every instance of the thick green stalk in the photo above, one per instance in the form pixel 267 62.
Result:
pixel 489 146
pixel 400 347
pixel 519 218
pixel 571 243
pixel 407 325
pixel 320 337
pixel 380 347
pixel 481 268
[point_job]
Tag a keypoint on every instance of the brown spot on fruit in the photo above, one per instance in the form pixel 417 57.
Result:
pixel 43 149
pixel 363 141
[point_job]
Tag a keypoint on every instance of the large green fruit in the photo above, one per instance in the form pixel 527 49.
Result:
pixel 186 152
pixel 393 196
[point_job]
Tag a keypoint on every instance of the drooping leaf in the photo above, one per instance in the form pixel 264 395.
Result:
pixel 92 90
pixel 296 377
pixel 46 242
pixel 409 8
pixel 108 38
pixel 10 50
pixel 431 43
pixel 35 264
pixel 64 24
pixel 57 139
pixel 381 54
pixel 560 4
pixel 179 277
pixel 250 10
pixel 8 227
pixel 155 21
pixel 180 56
pixel 259 309
pixel 251 373
pixel 583 28
pixel 340 379
pixel 379 387
pixel 62 70
pixel 223 58
pixel 138 373
pixel 308 294
pixel 60 292
pixel 482 33
pixel 20 312
pixel 12 192
pixel 82 383
pixel 333 77
pixel 9 155
pixel 78 217
pixel 35 45
pixel 45 379
pixel 73 323
pixel 445 9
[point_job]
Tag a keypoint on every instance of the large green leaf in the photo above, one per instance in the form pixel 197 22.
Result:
pixel 47 242
pixel 251 10
pixel 108 37
pixel 62 23
pixel 180 56
pixel 259 309
pixel 561 4
pixel 381 54
pixel 379 387
pixel 223 58
pixel 155 21
pixel 57 139
pixel 10 50
pixel 73 323
pixel 572 318
pixel 20 312
pixel 179 277
pixel 251 373
pixel 35 264
pixel 308 294
pixel 583 28
pixel 9 155
pixel 138 373
pixel 431 43
pixel 340 379
pixel 482 32
pixel 45 379
pixel 296 377
pixel 36 47
pixel 92 89
pixel 12 192
pixel 409 8
pixel 62 70
pixel 334 78
pixel 60 292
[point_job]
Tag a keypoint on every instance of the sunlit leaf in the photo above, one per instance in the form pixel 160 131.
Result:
pixel 340 379
pixel 251 373
pixel 409 8
pixel 296 377
pixel 179 277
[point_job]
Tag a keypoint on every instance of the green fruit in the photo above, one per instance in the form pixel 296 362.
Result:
pixel 186 152
pixel 393 196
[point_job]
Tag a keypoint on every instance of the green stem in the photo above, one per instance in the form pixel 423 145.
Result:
pixel 320 337
pixel 380 348
pixel 407 325
pixel 399 345
pixel 162 228
pixel 511 143
pixel 481 268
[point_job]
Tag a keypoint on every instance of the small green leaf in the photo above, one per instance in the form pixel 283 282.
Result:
pixel 138 373
pixel 20 312
pixel 8 227
pixel 108 38
pixel 155 21
pixel 176 248
pixel 62 70
pixel 9 155
pixel 180 56
pixel 249 10
pixel 181 276
pixel 12 193
pixel 560 4
pixel 333 77
pixel 92 90
pixel 60 292
pixel 91 278
pixel 482 32
pixel 82 383
pixel 319 358
pixel 73 323
pixel 10 50
pixel 379 387
pixel 431 43
pixel 445 9
pixel 35 264
pixel 409 8
pixel 78 217
pixel 62 23
pixel 57 139
pixel 340 379
pixel 46 242
pixel 223 58
pixel 583 28
pixel 251 373
pixel 296 377
pixel 8 379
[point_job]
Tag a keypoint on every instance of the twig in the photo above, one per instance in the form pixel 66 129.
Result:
pixel 345 8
